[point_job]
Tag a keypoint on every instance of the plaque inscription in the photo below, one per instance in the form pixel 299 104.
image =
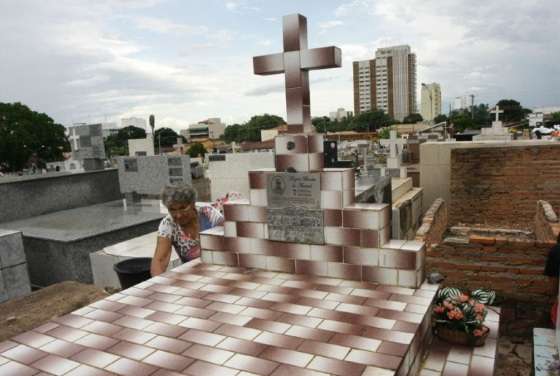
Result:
pixel 294 208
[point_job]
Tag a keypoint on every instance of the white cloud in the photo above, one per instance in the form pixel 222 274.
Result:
pixel 330 24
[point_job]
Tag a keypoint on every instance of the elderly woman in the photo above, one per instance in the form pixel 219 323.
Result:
pixel 181 227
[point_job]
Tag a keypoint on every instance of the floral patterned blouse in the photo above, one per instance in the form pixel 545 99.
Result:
pixel 187 246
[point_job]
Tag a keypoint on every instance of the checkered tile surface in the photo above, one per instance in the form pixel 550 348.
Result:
pixel 202 319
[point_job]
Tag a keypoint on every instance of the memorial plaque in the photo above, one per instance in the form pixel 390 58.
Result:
pixel 294 208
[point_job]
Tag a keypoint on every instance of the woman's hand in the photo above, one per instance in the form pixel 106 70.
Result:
pixel 162 255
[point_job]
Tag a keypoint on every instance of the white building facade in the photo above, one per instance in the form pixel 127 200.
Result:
pixel 211 128
pixel 430 101
pixel 387 82
pixel 339 114
pixel 134 121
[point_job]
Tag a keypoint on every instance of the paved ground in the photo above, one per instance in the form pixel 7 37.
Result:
pixel 515 356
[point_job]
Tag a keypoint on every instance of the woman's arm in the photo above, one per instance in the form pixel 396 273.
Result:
pixel 162 256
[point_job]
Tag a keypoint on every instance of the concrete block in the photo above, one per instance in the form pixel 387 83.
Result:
pixel 16 281
pixel 3 292
pixel 11 248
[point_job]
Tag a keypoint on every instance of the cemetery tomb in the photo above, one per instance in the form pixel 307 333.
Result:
pixel 87 145
pixel 301 279
pixel 61 242
pixel 496 132
pixel 147 175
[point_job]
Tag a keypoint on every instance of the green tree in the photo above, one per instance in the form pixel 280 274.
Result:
pixel 440 118
pixel 165 137
pixel 131 132
pixel 385 132
pixel 117 144
pixel 251 130
pixel 412 118
pixel 555 118
pixel 513 110
pixel 196 149
pixel 26 134
pixel 370 121
pixel 461 120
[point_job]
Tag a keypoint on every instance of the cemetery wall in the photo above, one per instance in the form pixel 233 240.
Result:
pixel 434 224
pixel 511 267
pixel 47 194
pixel 435 164
pixel 500 186
pixel 547 226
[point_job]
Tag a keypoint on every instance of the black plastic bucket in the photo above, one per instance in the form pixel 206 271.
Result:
pixel 133 271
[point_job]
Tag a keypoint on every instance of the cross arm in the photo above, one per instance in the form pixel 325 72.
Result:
pixel 268 64
pixel 321 58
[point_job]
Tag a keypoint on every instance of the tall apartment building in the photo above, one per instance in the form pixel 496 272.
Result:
pixel 430 101
pixel 387 82
pixel 463 102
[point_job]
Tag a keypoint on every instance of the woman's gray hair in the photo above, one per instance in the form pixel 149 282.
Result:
pixel 182 193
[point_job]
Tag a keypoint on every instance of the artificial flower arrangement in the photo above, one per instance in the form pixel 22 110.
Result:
pixel 458 316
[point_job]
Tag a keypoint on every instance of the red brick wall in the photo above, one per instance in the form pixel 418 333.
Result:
pixel 513 268
pixel 434 224
pixel 500 186
pixel 547 226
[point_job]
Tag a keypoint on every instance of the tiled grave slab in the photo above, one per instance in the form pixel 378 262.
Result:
pixel 201 319
pixel 545 351
pixel 443 358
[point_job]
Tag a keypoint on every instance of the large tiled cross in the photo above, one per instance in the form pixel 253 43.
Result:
pixel 295 62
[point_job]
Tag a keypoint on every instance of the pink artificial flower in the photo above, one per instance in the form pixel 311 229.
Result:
pixel 455 315
pixel 463 298
pixel 479 307
pixel 439 309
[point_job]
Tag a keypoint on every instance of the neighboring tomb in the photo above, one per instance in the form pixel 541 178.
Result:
pixel 14 280
pixel 141 147
pixel 148 175
pixel 87 145
pixel 61 242
pixel 436 166
pixel 30 196
pixel 496 132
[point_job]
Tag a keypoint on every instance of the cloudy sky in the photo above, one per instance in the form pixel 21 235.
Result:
pixel 187 60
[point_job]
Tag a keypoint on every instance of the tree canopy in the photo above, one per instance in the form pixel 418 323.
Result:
pixel 513 110
pixel 26 134
pixel 251 130
pixel 440 118
pixel 117 144
pixel 196 149
pixel 165 137
pixel 367 121
pixel 465 119
pixel 412 118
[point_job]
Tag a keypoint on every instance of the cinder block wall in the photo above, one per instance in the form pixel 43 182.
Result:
pixel 501 186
